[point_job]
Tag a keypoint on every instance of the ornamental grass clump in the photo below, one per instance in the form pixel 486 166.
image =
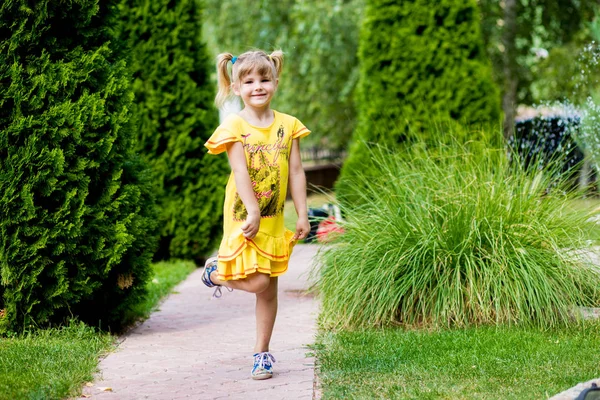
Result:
pixel 458 236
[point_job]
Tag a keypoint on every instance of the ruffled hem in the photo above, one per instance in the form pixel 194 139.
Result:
pixel 217 143
pixel 249 262
pixel 265 254
pixel 218 147
pixel 301 133
pixel 270 247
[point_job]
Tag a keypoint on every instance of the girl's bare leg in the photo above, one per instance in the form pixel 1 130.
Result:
pixel 266 311
pixel 265 288
pixel 254 283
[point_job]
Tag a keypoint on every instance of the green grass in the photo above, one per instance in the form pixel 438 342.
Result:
pixel 473 363
pixel 167 274
pixel 55 363
pixel 51 363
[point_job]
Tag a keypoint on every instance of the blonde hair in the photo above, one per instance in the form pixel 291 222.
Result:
pixel 267 65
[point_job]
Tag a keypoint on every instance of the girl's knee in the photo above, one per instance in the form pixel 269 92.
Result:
pixel 261 283
pixel 270 291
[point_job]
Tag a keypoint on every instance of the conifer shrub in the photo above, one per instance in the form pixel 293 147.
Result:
pixel 458 235
pixel 77 217
pixel 419 61
pixel 175 116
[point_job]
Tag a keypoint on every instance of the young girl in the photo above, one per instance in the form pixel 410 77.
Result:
pixel 264 153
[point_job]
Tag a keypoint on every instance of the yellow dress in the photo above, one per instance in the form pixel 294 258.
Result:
pixel 267 155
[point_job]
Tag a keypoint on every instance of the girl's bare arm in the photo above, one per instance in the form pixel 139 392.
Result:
pixel 237 160
pixel 297 181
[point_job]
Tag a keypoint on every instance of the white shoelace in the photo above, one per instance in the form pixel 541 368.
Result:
pixel 218 293
pixel 264 359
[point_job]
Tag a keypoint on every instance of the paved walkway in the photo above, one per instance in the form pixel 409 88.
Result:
pixel 198 348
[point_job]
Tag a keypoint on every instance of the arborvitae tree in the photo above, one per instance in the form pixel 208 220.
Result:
pixel 76 213
pixel 420 60
pixel 174 107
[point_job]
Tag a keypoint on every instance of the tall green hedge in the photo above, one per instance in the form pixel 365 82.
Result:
pixel 419 60
pixel 76 211
pixel 174 108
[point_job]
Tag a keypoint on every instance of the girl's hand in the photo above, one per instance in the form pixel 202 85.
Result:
pixel 302 228
pixel 250 228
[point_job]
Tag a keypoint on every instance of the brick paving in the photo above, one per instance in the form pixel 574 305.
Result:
pixel 198 348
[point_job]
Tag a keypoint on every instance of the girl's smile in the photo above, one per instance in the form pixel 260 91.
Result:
pixel 255 90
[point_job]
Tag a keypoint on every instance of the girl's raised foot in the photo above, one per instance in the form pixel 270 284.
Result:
pixel 209 267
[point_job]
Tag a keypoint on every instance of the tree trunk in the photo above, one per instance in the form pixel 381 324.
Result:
pixel 509 97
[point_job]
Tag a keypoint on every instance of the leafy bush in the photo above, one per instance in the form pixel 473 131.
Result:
pixel 418 60
pixel 175 116
pixel 588 136
pixel 456 236
pixel 76 211
pixel 558 76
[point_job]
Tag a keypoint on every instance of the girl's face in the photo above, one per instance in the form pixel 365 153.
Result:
pixel 255 90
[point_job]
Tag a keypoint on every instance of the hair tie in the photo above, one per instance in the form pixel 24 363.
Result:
pixel 233 60
pixel 270 58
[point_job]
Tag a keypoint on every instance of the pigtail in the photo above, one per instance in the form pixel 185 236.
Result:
pixel 223 78
pixel 276 58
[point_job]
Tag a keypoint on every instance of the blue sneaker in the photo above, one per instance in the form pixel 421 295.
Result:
pixel 209 267
pixel 263 366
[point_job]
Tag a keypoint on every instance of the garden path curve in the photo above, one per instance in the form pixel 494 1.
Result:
pixel 198 348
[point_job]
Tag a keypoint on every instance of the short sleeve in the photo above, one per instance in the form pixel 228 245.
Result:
pixel 299 130
pixel 223 135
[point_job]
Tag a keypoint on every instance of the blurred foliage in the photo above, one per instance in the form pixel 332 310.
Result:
pixel 236 26
pixel 594 25
pixel 320 41
pixel 570 72
pixel 542 26
pixel 322 70
pixel 556 75
pixel 588 137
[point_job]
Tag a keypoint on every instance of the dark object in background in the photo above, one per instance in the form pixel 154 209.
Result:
pixel 542 139
pixel 591 393
pixel 315 216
